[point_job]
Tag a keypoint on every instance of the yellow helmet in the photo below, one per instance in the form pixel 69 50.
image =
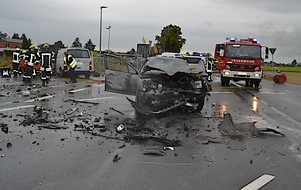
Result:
pixel 31 46
pixel 45 46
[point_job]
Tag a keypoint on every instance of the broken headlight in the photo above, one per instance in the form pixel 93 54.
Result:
pixel 198 84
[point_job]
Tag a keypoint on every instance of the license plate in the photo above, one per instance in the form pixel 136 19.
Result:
pixel 241 73
pixel 78 67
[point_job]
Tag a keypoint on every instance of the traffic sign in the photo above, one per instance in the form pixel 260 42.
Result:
pixel 272 50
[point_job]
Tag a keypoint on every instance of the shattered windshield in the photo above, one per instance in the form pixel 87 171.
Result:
pixel 169 65
pixel 243 51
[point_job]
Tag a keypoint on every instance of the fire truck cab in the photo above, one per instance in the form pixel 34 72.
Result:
pixel 240 60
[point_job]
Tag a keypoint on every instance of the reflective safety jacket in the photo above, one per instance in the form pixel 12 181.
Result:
pixel 16 57
pixel 31 58
pixel 70 62
pixel 46 57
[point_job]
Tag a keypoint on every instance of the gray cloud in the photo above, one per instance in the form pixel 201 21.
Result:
pixel 204 22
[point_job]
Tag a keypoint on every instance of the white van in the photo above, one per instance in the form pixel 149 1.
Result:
pixel 83 58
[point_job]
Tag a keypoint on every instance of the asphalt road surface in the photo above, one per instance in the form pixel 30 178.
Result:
pixel 77 136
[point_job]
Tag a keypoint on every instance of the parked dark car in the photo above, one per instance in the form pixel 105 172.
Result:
pixel 162 84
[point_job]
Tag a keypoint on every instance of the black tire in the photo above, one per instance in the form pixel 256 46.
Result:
pixel 201 104
pixel 223 82
pixel 227 82
pixel 87 76
pixel 248 83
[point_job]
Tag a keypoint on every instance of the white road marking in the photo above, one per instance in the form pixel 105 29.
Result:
pixel 78 90
pixel 270 93
pixel 220 92
pixel 39 99
pixel 259 182
pixel 16 108
pixel 92 99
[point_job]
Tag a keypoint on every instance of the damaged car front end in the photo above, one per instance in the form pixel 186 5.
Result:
pixel 162 84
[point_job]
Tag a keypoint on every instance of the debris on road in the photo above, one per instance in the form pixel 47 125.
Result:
pixel 52 126
pixel 227 127
pixel 9 145
pixel 120 128
pixel 168 148
pixel 84 102
pixel 4 127
pixel 111 108
pixel 154 152
pixel 26 93
pixel 116 158
pixel 164 141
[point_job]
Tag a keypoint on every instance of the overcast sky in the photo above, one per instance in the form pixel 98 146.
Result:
pixel 276 23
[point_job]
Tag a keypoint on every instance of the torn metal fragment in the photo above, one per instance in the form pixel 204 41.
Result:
pixel 120 128
pixel 227 127
pixel 164 141
pixel 169 148
pixel 85 102
pixel 154 152
pixel 116 110
pixel 116 158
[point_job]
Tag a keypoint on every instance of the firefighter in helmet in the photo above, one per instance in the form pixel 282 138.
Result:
pixel 46 58
pixel 30 60
pixel 71 63
pixel 16 62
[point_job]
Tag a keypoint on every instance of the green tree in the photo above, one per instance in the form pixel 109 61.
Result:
pixel 56 46
pixel 16 36
pixel 89 45
pixel 132 51
pixel 76 43
pixel 3 35
pixel 294 63
pixel 170 39
pixel 26 42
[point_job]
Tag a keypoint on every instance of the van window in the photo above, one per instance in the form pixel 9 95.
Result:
pixel 77 53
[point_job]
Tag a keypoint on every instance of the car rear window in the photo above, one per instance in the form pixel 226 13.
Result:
pixel 77 53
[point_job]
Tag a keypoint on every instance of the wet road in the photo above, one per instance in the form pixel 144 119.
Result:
pixel 64 137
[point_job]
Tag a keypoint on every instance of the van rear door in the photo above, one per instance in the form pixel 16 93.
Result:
pixel 83 58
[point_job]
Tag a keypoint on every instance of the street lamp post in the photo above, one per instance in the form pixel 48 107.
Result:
pixel 100 27
pixel 109 28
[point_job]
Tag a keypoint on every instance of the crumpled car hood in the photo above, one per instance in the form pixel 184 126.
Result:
pixel 172 69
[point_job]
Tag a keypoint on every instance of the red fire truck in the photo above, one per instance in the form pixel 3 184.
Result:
pixel 240 60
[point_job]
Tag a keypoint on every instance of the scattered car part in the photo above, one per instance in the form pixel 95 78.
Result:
pixel 120 128
pixel 164 141
pixel 116 158
pixel 155 152
pixel 227 127
pixel 116 110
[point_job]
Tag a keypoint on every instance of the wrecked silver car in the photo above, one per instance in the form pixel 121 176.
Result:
pixel 160 85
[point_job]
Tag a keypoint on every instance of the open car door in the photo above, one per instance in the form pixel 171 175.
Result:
pixel 120 75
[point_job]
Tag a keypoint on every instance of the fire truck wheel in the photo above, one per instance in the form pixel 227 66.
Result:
pixel 225 81
pixel 248 83
pixel 256 84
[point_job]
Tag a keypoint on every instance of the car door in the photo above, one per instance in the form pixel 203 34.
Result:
pixel 120 75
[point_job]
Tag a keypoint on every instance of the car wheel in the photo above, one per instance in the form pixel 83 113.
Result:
pixel 200 104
